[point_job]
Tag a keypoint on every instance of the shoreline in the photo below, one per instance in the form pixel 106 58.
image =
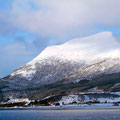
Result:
pixel 66 107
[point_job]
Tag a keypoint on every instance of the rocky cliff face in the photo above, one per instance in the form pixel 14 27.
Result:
pixel 80 65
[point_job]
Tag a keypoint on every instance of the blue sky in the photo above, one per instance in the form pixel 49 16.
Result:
pixel 28 26
pixel 5 4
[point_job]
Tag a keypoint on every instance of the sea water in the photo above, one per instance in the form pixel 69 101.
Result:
pixel 98 114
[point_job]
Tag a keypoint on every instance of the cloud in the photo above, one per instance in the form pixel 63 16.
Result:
pixel 50 17
pixel 61 19
pixel 20 47
pixel 58 18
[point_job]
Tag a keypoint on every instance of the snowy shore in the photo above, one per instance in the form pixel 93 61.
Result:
pixel 66 107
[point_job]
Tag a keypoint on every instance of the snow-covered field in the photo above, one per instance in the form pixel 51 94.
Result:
pixel 83 98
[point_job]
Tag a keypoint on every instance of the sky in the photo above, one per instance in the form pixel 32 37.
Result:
pixel 28 26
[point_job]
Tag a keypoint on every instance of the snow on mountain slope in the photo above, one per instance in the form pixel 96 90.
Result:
pixel 76 59
pixel 104 44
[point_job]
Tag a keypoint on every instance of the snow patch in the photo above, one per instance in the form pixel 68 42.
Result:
pixel 15 100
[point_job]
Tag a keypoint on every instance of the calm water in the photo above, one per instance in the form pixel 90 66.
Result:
pixel 60 114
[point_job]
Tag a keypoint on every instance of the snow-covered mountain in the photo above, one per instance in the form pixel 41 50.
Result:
pixel 85 57
pixel 101 45
pixel 83 64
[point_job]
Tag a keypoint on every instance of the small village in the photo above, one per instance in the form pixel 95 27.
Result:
pixel 65 101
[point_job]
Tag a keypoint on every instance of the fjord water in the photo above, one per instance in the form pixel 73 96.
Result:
pixel 99 114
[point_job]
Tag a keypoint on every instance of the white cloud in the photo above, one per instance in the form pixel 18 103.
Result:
pixel 61 17
pixel 18 48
